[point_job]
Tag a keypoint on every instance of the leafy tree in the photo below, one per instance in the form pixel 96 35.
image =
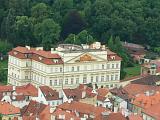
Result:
pixel 5 47
pixel 23 30
pixel 82 38
pixel 47 32
pixel 20 7
pixel 40 11
pixel 70 39
pixel 73 23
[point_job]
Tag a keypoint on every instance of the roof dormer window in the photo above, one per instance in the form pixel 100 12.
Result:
pixel 113 57
pixel 55 60
pixel 40 58
pixel 15 53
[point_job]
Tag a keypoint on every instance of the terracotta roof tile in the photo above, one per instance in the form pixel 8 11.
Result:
pixel 147 80
pixel 135 117
pixel 5 88
pixel 46 56
pixel 103 91
pixel 134 89
pixel 67 115
pixel 8 109
pixel 153 111
pixel 49 93
pixel 28 90
pixel 35 109
pixel 82 108
pixel 111 116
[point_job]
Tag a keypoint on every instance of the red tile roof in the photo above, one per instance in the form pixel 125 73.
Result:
pixel 135 117
pixel 134 89
pixel 35 109
pixel 8 109
pixel 146 101
pixel 68 115
pixel 28 90
pixel 4 88
pixel 153 111
pixel 103 91
pixel 82 108
pixel 49 93
pixel 113 58
pixel 46 56
pixel 76 94
pixel 114 116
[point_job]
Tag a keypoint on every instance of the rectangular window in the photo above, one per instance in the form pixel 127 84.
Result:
pixel 107 78
pixel 66 81
pixel 84 79
pixel 61 69
pixel 26 77
pixel 97 78
pixel 55 82
pixel 117 65
pixel 77 80
pixel 72 69
pixel 72 81
pixel 60 81
pixel 112 77
pixel 102 66
pixel 102 78
pixel 116 77
pixel 91 79
pixel 77 68
pixel 112 65
pixel 50 82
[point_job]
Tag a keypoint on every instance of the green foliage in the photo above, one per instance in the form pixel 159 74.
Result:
pixel 47 32
pixel 5 47
pixel 23 28
pixel 3 71
pixel 136 21
pixel 132 71
pixel 73 23
pixel 40 11
pixel 82 38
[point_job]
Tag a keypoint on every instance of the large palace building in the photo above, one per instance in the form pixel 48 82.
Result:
pixel 67 66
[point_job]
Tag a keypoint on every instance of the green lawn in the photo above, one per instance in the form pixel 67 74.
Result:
pixel 133 71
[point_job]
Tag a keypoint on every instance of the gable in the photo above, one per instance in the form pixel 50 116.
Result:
pixel 85 57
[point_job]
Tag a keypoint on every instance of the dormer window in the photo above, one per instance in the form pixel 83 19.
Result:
pixel 55 60
pixel 40 58
pixel 15 53
pixel 113 57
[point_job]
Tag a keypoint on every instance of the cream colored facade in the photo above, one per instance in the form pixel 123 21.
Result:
pixel 79 67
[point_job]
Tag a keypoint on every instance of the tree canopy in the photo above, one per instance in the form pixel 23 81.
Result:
pixel 136 21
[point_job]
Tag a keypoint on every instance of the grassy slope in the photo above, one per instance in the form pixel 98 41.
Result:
pixel 133 71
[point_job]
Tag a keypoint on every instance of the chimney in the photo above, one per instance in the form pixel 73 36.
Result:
pixel 28 47
pixel 83 94
pixel 60 93
pixel 62 117
pixel 147 93
pixel 14 88
pixel 105 114
pixel 39 48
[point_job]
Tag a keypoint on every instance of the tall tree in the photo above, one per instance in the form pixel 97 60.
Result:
pixel 23 28
pixel 47 32
pixel 73 23
pixel 40 11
